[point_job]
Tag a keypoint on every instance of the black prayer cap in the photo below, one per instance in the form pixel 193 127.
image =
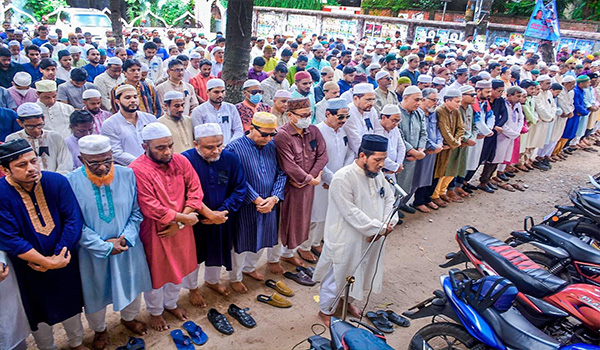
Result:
pixel 374 143
pixel 11 150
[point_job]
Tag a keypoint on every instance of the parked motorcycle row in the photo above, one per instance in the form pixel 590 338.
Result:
pixel 512 296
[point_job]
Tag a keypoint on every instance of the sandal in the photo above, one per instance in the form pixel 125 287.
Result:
pixel 280 287
pixel 301 278
pixel 380 321
pixel 426 210
pixel 518 186
pixel 307 270
pixel 196 333
pixel 432 205
pixel 241 316
pixel 219 321
pixel 507 187
pixel 182 342
pixel 274 300
pixel 397 319
pixel 134 344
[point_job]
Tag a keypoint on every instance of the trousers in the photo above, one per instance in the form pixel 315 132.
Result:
pixel 44 336
pixel 486 174
pixel 166 297
pixel 248 261
pixel 442 185
pixel 328 293
pixel 423 194
pixel 559 146
pixel 315 236
pixel 97 319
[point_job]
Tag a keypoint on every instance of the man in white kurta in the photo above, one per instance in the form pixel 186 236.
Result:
pixel 15 328
pixel 56 114
pixel 360 200
pixel 363 116
pixel 340 155
pixel 546 112
pixel 545 153
pixel 112 261
pixel 387 127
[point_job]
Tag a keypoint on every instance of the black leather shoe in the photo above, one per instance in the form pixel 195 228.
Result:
pixel 492 186
pixel 509 174
pixel 468 190
pixel 240 314
pixel 407 209
pixel 486 189
pixel 400 214
pixel 471 187
pixel 503 177
pixel 219 321
pixel 546 162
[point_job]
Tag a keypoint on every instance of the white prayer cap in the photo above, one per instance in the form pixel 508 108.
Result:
pixel 374 66
pixel 542 64
pixel 379 46
pixel 543 77
pixel 14 43
pixel 595 63
pixel 173 95
pixel 337 103
pixel 439 81
pixel 44 49
pixel 568 79
pixel 453 93
pixel 317 46
pixel 18 31
pixel 52 36
pixel 213 83
pixel 448 61
pixel 260 38
pixel 207 129
pixel 29 109
pixel 195 55
pixel 466 89
pixel 94 144
pixel 22 79
pixel 216 49
pixel 306 41
pixel 452 55
pixel 125 87
pixel 411 90
pixel 282 94
pixel 554 68
pixel 203 42
pixel 250 82
pixel 485 75
pixel 155 131
pixel 530 50
pixel 411 57
pixel 144 68
pixel 114 60
pixel 424 78
pixel 188 35
pixel 362 88
pixel 381 74
pixel 74 49
pixel 390 110
pixel 45 86
pixel 502 59
pixel 90 93
pixel 475 67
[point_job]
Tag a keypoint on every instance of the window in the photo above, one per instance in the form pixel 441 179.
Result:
pixel 91 20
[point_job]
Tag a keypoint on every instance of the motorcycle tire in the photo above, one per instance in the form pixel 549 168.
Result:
pixel 461 338
pixel 578 228
pixel 547 262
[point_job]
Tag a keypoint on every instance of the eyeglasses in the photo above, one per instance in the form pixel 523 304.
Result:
pixel 343 116
pixel 435 100
pixel 37 126
pixel 254 92
pixel 107 163
pixel 264 134
pixel 472 95
pixel 177 70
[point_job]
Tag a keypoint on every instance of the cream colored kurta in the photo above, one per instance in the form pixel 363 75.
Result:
pixel 190 101
pixel 565 103
pixel 105 83
pixel 546 112
pixel 182 130
pixel 53 153
pixel 57 118
pixel 358 205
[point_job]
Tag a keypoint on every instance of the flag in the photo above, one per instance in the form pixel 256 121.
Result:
pixel 543 23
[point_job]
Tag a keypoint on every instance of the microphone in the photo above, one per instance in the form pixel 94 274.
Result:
pixel 392 182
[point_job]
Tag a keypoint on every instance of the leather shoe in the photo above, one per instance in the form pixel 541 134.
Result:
pixel 219 321
pixel 486 189
pixel 400 214
pixel 240 314
pixel 407 209
pixel 470 187
pixel 492 186
pixel 503 177
pixel 468 190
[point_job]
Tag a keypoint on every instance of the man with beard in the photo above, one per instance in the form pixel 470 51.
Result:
pixel 304 82
pixel 215 110
pixel 63 71
pixel 274 83
pixel 318 61
pixel 176 83
pixel 199 81
pixel 112 261
pixel 389 118
pixel 93 68
pixel 179 123
pixel 106 81
pixel 71 92
pixel 170 197
pixel 194 67
pixel 147 97
pixel 82 124
pixel 384 96
pixel 8 69
pixel 92 100
pixel 300 66
pixel 42 246
pixel 217 63
pixel 360 200
pixel 33 53
pixel 124 127
pixel 363 116
pixel 224 187
pixel 510 131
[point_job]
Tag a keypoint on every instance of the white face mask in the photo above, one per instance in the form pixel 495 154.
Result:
pixel 303 123
pixel 22 92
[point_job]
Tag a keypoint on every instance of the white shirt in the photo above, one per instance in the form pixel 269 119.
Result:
pixel 126 138
pixel 57 117
pixel 226 116
pixel 105 83
pixel 396 148
pixel 58 157
pixel 359 124
pixel 62 73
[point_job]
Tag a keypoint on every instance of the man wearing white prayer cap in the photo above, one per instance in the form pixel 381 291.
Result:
pixel 363 115
pixel 383 94
pixel 424 81
pixel 112 261
pixel 252 103
pixel 177 121
pixel 17 56
pixel 279 108
pixel 221 199
pixel 92 101
pixel 215 110
pixel 107 80
pixel 21 91
pixel 545 108
pixel 389 118
pixel 56 113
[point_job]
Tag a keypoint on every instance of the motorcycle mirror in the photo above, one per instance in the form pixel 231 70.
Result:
pixel 594 182
pixel 526 221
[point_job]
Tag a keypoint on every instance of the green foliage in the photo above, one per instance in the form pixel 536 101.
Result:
pixel 41 8
pixel 134 8
pixel 397 5
pixel 521 8
pixel 525 7
pixel 173 9
pixel 293 4
pixel 586 10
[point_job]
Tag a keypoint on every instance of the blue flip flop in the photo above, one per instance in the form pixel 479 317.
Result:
pixel 134 344
pixel 196 333
pixel 182 342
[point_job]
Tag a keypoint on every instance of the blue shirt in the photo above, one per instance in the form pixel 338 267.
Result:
pixel 93 72
pixel 33 71
pixel 39 42
pixel 162 53
pixel 434 136
pixel 413 76
pixel 344 86
pixel 8 123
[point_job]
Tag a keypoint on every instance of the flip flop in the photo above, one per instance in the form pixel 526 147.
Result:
pixel 219 321
pixel 507 187
pixel 421 210
pixel 518 186
pixel 307 270
pixel 274 300
pixel 196 333
pixel 241 316
pixel 397 319
pixel 281 287
pixel 315 252
pixel 307 260
pixel 301 278
pixel 182 342
pixel 133 344
pixel 380 321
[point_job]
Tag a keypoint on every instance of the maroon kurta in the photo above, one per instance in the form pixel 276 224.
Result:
pixel 162 193
pixel 299 156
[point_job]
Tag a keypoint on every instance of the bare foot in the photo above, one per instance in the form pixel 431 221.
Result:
pixel 293 260
pixel 158 323
pixel 318 249
pixel 423 208
pixel 100 341
pixel 307 255
pixel 239 287
pixel 256 275
pixel 354 311
pixel 135 326
pixel 196 298
pixel 219 288
pixel 80 347
pixel 276 268
pixel 325 318
pixel 179 312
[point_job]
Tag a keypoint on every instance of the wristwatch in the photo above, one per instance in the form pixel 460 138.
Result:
pixel 181 225
pixel 276 199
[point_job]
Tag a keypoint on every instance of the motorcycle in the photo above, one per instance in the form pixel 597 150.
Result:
pixel 478 315
pixel 569 313
pixel 345 336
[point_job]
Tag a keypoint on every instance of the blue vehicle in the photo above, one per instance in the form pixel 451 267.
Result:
pixel 469 314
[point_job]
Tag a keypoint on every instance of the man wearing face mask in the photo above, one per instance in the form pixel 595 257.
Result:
pixel 252 102
pixel 302 155
pixel 360 200
pixel 304 85
pixel 21 91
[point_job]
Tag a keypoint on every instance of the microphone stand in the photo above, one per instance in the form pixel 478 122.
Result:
pixel 350 279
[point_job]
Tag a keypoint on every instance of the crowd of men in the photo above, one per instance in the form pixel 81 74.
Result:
pixel 126 169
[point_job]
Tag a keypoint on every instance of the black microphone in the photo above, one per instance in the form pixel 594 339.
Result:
pixel 390 179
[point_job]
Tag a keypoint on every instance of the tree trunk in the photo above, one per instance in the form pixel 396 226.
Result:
pixel 115 18
pixel 237 48
pixel 546 48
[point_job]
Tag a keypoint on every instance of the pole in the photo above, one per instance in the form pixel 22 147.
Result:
pixel 444 12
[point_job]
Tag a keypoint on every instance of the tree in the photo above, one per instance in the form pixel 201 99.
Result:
pixel 115 18
pixel 237 48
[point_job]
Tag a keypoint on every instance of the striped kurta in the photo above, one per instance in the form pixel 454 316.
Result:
pixel 264 179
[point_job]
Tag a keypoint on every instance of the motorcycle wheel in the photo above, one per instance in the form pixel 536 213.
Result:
pixel 547 262
pixel 579 229
pixel 448 336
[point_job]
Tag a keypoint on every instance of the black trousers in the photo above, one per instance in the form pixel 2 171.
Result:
pixel 423 194
pixel 486 174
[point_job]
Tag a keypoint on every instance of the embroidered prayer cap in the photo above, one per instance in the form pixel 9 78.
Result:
pixel 374 143
pixel 497 83
pixel 362 88
pixel 373 66
pixel 74 49
pixel 465 89
pixel 264 120
pixel 125 87
pixel 90 93
pixel 22 79
pixel 568 79
pixel 282 94
pixel 302 75
pixel 404 80
pixel 424 78
pixel 115 61
pixel 252 82
pixel 298 103
pixel 337 103
pixel 381 74
pixel 14 43
pixel 451 93
pixel 45 86
pixel 411 90
pixel 543 77
pixel 582 78
pixel 53 36
pixel 216 49
pixel 411 57
pixel 390 57
pixel 155 131
pixel 12 149
pixel 439 81
pixel 390 110
pixel 94 144
pixel 195 55
pixel 213 83
pixel 173 95
pixel 207 130
pixel 484 75
pixel 483 84
pixel 29 109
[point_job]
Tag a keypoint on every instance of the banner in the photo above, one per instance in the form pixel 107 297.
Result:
pixel 585 46
pixel 335 27
pixel 543 23
pixel 376 31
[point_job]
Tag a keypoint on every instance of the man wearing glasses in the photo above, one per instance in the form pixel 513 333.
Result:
pixel 384 96
pixel 49 145
pixel 252 103
pixel 176 83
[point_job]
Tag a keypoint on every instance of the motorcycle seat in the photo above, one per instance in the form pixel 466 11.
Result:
pixel 578 249
pixel 516 332
pixel 529 277
pixel 592 200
